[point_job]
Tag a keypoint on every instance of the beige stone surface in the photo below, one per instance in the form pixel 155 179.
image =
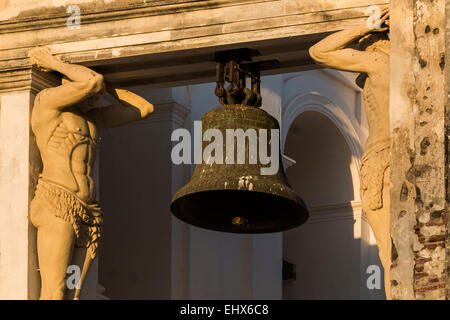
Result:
pixel 137 182
pixel 18 265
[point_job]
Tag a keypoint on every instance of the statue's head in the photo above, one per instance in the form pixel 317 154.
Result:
pixel 375 42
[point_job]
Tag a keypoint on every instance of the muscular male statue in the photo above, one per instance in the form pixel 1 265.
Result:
pixel 372 61
pixel 66 126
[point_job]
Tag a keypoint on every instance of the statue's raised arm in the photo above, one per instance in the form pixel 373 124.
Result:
pixel 84 82
pixel 131 107
pixel 334 51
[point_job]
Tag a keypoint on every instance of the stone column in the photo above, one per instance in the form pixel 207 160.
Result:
pixel 145 249
pixel 19 166
pixel 419 132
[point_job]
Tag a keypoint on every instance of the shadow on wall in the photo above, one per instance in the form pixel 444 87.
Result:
pixel 135 193
pixel 332 250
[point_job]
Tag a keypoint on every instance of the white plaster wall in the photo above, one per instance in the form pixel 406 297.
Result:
pixel 326 252
pixel 135 257
pixel 323 173
pixel 228 266
pixel 337 87
pixel 136 186
pixel 19 278
pixel 324 130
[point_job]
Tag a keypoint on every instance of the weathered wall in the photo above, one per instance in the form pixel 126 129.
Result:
pixel 18 263
pixel 418 155
pixel 322 177
pixel 447 125
pixel 135 186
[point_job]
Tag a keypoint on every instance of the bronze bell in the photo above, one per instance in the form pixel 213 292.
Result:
pixel 236 197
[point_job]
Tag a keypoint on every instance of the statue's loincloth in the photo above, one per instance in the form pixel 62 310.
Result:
pixel 86 219
pixel 374 164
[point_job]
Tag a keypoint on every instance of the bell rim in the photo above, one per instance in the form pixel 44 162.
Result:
pixel 248 182
pixel 302 217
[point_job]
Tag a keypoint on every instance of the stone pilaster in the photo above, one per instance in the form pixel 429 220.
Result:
pixel 19 166
pixel 418 97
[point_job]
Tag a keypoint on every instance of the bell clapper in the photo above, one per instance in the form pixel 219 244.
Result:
pixel 239 222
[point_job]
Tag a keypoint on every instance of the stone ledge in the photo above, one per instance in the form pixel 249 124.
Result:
pixel 27 79
pixel 44 17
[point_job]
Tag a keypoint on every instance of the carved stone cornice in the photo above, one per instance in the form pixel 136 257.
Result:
pixel 336 212
pixel 27 79
pixel 38 19
pixel 172 42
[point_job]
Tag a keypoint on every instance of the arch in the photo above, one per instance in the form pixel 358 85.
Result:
pixel 321 93
pixel 314 101
pixel 325 178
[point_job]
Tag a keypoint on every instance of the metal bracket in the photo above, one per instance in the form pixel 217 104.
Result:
pixel 234 66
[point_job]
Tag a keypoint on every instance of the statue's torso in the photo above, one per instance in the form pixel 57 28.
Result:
pixel 68 148
pixel 376 104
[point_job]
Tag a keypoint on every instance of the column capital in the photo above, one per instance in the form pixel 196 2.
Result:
pixel 27 79
pixel 419 180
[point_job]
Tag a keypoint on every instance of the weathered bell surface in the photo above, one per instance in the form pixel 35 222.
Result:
pixel 236 197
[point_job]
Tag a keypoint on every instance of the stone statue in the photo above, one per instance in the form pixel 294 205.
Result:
pixel 67 130
pixel 366 51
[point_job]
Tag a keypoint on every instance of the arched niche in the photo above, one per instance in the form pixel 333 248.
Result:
pixel 327 249
pixel 323 172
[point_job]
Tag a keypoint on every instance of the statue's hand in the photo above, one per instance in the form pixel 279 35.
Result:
pixel 42 58
pixel 365 29
pixel 384 21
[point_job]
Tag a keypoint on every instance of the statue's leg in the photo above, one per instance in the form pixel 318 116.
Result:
pixel 379 221
pixel 55 240
pixel 82 259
